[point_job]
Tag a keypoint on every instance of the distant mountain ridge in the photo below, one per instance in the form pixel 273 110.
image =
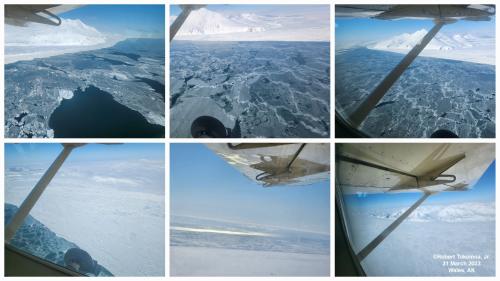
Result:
pixel 206 22
pixel 476 48
pixel 441 41
pixel 311 24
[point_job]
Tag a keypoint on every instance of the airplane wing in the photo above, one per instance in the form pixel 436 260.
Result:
pixel 21 15
pixel 392 167
pixel 278 164
pixel 392 12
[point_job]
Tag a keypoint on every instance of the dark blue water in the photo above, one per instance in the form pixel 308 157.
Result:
pixel 128 55
pixel 93 113
pixel 157 86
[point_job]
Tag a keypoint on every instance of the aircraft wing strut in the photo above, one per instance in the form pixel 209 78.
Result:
pixel 362 111
pixel 36 192
pixel 375 242
pixel 179 21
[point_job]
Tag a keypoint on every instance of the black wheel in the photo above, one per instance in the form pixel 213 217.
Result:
pixel 80 261
pixel 208 127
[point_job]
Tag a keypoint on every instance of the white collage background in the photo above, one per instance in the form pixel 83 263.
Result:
pixel 167 141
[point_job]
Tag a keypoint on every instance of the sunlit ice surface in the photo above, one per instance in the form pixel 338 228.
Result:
pixel 206 247
pixel 431 94
pixel 131 73
pixel 274 89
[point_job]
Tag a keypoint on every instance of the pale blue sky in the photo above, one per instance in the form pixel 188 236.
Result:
pixel 45 153
pixel 204 185
pixel 129 20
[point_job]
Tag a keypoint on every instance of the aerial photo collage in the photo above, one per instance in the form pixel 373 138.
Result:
pixel 279 139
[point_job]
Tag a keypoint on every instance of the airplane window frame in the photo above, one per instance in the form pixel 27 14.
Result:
pixel 344 123
pixel 339 208
pixel 44 262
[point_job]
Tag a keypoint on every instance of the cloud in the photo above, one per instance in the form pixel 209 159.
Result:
pixel 114 180
pixel 463 212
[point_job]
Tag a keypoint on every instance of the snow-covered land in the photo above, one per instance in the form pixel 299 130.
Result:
pixel 69 33
pixel 205 24
pixel 202 261
pixel 433 234
pixel 205 247
pixel 112 209
pixel 455 46
pixel 40 40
